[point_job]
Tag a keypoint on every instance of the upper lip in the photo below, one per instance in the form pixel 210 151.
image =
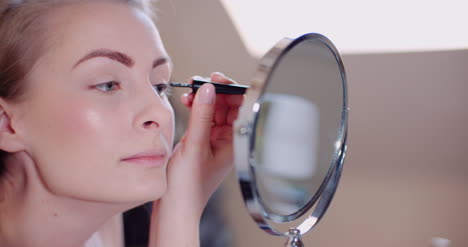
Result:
pixel 153 153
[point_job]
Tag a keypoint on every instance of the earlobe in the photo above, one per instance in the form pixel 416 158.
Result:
pixel 9 139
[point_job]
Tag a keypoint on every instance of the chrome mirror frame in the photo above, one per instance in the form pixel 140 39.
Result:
pixel 244 140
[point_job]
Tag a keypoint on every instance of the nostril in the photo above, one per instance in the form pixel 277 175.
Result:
pixel 149 124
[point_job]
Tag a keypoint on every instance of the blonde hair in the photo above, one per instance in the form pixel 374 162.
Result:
pixel 23 40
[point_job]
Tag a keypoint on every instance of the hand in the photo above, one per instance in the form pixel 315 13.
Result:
pixel 197 166
pixel 204 155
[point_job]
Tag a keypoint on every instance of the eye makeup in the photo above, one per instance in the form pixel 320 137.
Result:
pixel 220 88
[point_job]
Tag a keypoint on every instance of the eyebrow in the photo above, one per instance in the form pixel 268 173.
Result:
pixel 119 57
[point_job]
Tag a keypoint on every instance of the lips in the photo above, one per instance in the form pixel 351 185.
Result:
pixel 148 158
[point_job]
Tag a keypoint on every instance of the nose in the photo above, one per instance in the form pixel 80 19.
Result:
pixel 153 111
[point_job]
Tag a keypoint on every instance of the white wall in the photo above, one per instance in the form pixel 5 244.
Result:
pixel 406 174
pixel 354 26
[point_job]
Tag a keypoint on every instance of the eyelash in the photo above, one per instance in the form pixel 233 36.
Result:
pixel 161 88
pixel 107 84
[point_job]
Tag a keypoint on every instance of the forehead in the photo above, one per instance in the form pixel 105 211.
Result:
pixel 80 27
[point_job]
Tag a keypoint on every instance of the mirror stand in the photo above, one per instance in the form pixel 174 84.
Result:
pixel 294 238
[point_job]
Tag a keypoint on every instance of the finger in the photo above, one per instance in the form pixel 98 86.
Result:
pixel 226 114
pixel 201 117
pixel 221 136
pixel 187 99
pixel 220 114
pixel 234 100
pixel 229 99
pixel 221 78
pixel 232 115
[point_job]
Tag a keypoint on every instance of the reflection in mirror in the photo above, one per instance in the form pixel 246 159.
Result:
pixel 285 177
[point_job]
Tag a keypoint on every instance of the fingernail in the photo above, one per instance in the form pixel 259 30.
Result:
pixel 217 75
pixel 197 77
pixel 206 94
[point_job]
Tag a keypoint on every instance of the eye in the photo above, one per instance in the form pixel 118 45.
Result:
pixel 108 87
pixel 162 89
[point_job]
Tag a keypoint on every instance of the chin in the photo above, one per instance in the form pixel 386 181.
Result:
pixel 129 194
pixel 144 192
pixel 142 186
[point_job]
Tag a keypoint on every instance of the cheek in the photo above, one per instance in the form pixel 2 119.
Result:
pixel 169 129
pixel 70 129
pixel 71 142
pixel 84 124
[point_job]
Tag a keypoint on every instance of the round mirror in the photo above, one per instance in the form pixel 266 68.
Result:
pixel 290 136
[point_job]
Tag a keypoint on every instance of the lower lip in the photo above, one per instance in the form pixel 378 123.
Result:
pixel 153 161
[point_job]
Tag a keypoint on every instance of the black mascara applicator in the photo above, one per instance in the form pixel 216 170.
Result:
pixel 220 88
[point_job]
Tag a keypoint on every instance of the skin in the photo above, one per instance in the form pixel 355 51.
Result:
pixel 86 109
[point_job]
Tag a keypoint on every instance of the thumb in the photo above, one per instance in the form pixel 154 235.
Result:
pixel 201 117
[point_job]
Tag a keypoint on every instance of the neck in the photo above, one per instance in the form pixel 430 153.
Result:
pixel 30 215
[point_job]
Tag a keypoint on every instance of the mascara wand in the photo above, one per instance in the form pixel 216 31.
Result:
pixel 220 88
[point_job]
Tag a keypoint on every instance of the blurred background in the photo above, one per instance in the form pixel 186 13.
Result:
pixel 405 178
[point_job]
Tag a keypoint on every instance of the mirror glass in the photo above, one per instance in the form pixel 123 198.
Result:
pixel 297 129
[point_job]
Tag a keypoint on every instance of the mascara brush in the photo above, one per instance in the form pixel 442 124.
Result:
pixel 220 88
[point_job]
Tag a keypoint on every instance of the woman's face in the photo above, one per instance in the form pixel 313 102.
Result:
pixel 94 99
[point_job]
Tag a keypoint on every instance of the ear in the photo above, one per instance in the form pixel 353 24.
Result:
pixel 10 141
